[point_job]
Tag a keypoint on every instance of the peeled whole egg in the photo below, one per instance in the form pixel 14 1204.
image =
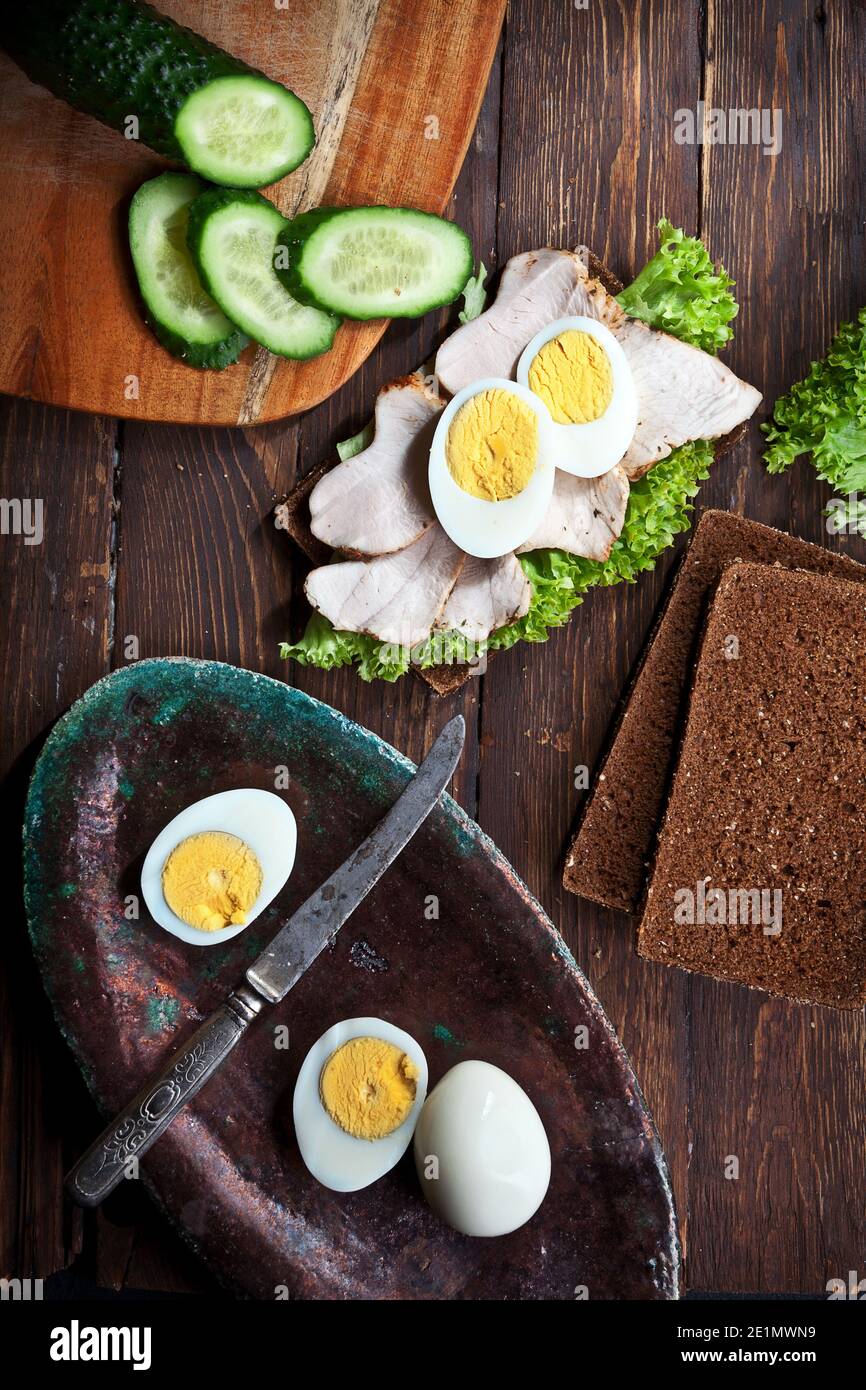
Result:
pixel 259 818
pixel 594 446
pixel 481 1152
pixel 480 526
pixel 337 1159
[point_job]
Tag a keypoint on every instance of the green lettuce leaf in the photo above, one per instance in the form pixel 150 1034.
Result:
pixel 348 448
pixel 678 291
pixel 474 295
pixel 825 416
pixel 658 510
pixel 681 292
pixel 324 647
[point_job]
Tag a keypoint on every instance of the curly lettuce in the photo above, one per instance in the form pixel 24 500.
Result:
pixel 323 646
pixel 659 508
pixel 679 291
pixel 824 416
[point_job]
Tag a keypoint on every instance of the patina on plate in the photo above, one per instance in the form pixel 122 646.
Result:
pixel 450 946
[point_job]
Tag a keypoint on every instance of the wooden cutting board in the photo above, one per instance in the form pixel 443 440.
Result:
pixel 394 87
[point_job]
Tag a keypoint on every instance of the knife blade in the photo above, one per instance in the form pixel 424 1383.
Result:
pixel 308 931
pixel 116 1152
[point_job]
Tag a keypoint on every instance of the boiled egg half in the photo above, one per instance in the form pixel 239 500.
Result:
pixel 219 864
pixel 580 372
pixel 492 466
pixel 357 1098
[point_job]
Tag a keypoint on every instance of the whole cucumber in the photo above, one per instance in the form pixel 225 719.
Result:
pixel 122 59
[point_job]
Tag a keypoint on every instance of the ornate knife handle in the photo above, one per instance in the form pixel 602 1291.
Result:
pixel 153 1109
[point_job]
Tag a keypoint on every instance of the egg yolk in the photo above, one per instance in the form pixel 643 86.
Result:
pixel 368 1087
pixel 492 445
pixel 572 375
pixel 211 880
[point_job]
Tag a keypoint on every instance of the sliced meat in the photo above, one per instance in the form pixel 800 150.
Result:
pixel 378 501
pixel 396 598
pixel 683 393
pixel 536 288
pixel 488 595
pixel 585 515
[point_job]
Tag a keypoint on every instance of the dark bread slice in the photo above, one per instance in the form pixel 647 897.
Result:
pixel 293 513
pixel 599 271
pixel 446 679
pixel 768 795
pixel 613 843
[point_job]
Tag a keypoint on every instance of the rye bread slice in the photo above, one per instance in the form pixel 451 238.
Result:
pixel 760 868
pixel 608 858
pixel 292 515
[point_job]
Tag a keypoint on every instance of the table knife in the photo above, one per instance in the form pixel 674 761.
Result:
pixel 294 948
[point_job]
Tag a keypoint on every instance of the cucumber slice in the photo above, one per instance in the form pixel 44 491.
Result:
pixel 371 263
pixel 232 235
pixel 195 103
pixel 244 131
pixel 184 318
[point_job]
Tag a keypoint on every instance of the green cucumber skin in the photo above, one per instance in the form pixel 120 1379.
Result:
pixel 209 202
pixel 215 358
pixel 300 229
pixel 115 58
pixel 207 356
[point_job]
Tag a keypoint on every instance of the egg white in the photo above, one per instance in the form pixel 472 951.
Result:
pixel 259 818
pixel 593 448
pixel 490 529
pixel 336 1159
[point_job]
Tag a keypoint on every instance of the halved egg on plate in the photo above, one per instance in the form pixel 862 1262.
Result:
pixel 357 1099
pixel 492 466
pixel 580 372
pixel 219 864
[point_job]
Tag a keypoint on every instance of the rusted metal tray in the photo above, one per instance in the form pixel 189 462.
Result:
pixel 486 976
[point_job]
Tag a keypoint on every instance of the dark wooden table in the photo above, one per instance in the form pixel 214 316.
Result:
pixel 164 535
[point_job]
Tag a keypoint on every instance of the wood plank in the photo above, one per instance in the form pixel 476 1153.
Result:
pixel 591 93
pixel 203 572
pixel 374 73
pixel 200 571
pixel 407 714
pixel 54 641
pixel 776 1084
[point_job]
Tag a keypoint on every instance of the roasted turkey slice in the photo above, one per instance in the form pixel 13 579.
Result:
pixel 396 598
pixel 378 502
pixel 585 515
pixel 489 594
